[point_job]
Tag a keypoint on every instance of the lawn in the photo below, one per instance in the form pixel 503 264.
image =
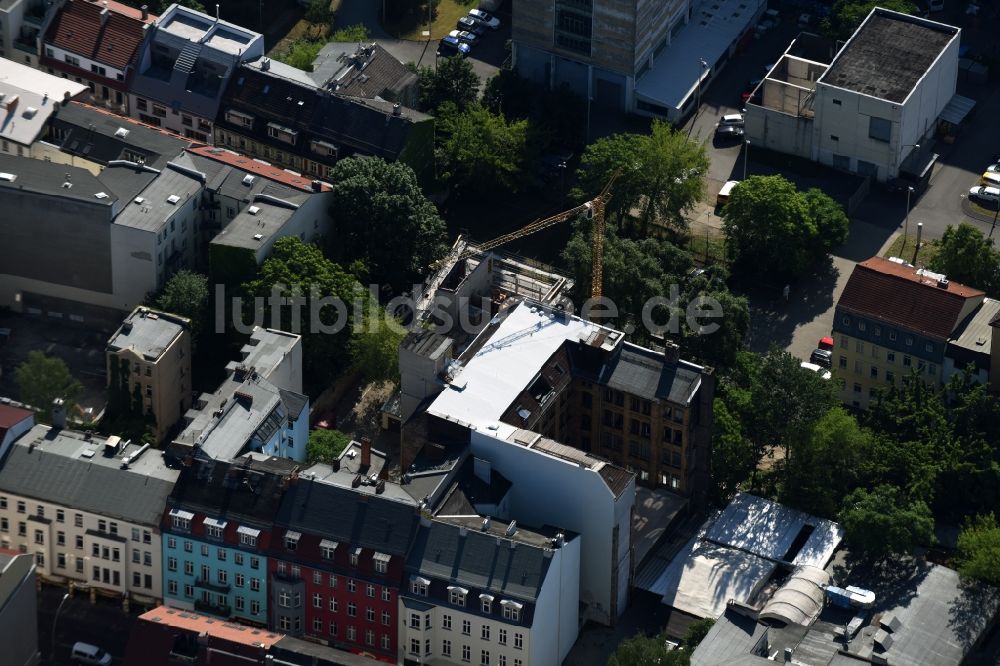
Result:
pixel 412 22
pixel 927 250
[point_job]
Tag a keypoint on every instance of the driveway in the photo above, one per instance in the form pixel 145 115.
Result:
pixel 486 57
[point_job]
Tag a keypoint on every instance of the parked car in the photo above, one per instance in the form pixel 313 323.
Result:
pixel 993 168
pixel 989 195
pixel 450 47
pixel 826 342
pixel 85 653
pixel 469 38
pixel 731 119
pixel 821 357
pixel 814 367
pixel 729 132
pixel 491 22
pixel 990 179
pixel 471 25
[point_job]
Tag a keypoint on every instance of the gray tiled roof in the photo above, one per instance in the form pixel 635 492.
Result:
pixel 47 464
pixel 148 333
pixel 642 372
pixel 478 561
pixel 345 516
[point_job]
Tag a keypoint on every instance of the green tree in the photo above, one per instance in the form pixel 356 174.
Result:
pixel 822 468
pixel 318 11
pixel 847 15
pixel 510 94
pixel 186 294
pixel 979 549
pixel 715 346
pixel 883 521
pixel 733 457
pixel 772 228
pixel 454 81
pixel 483 150
pixel 382 219
pixel 696 633
pixel 642 650
pixel 357 32
pixel 375 346
pixel 41 379
pixel 325 445
pixel 660 177
pixel 965 255
pixel 297 270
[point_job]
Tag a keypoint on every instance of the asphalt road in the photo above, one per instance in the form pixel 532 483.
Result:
pixel 102 623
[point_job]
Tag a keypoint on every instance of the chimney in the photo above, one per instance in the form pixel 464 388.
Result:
pixel 560 540
pixel 105 13
pixel 145 12
pixel 265 64
pixel 397 110
pixel 58 413
pixel 335 464
pixel 366 453
pixel 788 655
pixel 216 12
pixel 512 528
pixel 486 524
pixel 671 353
pixel 317 186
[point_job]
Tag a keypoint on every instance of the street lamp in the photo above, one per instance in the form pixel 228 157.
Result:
pixel 906 220
pixel 701 75
pixel 746 158
pixel 52 644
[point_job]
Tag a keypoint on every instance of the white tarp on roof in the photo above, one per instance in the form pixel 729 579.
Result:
pixel 704 577
pixel 800 599
pixel 768 529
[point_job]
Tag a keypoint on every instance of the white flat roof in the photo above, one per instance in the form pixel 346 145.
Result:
pixel 481 391
pixel 714 25
pixel 703 577
pixel 33 89
pixel 767 529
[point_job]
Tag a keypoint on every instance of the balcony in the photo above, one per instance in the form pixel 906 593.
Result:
pixel 213 609
pixel 35 14
pixel 26 45
pixel 214 587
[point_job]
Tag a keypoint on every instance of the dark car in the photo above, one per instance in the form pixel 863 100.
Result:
pixel 751 93
pixel 822 357
pixel 728 132
pixel 471 25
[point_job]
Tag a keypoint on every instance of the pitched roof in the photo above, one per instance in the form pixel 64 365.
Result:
pixel 345 516
pixel 361 70
pixel 906 297
pixel 11 416
pixel 364 125
pixel 248 488
pixel 80 28
pixel 257 167
pixel 51 465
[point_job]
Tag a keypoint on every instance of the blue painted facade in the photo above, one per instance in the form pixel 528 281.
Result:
pixel 290 440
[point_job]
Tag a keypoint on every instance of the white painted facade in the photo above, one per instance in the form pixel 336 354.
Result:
pixel 549 490
pixel 84 548
pixel 449 630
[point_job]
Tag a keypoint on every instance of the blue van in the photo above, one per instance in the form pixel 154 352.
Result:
pixel 450 47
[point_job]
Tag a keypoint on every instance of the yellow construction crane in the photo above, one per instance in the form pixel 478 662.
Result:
pixel 593 209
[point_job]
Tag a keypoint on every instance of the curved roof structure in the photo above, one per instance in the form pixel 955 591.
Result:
pixel 800 599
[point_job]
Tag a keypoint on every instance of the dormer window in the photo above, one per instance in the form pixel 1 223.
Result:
pixel 456 595
pixel 418 586
pixel 292 540
pixel 214 529
pixel 239 118
pixel 511 610
pixel 486 603
pixel 381 561
pixel 248 536
pixel 327 548
pixel 181 520
pixel 282 133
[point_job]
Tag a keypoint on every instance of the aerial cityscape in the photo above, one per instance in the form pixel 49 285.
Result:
pixel 499 332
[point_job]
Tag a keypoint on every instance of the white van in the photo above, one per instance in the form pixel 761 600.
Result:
pixel 85 653
pixel 727 189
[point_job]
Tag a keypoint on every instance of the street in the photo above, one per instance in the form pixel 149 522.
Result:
pixel 102 623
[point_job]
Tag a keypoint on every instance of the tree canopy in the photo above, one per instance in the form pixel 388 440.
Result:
pixel 325 445
pixel 41 379
pixel 642 650
pixel 979 549
pixel 186 294
pixel 660 176
pixel 299 270
pixel 770 227
pixel 965 255
pixel 558 116
pixel 883 521
pixel 453 80
pixel 375 346
pixel 484 151
pixel 382 219
pixel 847 15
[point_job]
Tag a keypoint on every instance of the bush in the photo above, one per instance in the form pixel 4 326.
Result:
pixel 318 11
pixel 301 54
pixel 352 33
pixel 325 445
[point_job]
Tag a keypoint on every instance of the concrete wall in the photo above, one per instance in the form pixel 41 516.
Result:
pixel 80 562
pixel 549 490
pixel 308 223
pixel 781 132
pixel 18 613
pixel 135 265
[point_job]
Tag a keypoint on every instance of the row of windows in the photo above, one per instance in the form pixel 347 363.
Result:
pixel 221 575
pixel 484 655
pixel 921 366
pixel 485 630
pixel 222 554
pixel 877 332
pixel 458 596
pixel 351 633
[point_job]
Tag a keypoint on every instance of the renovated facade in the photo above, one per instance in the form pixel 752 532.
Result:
pixel 335 563
pixel 150 356
pixel 868 110
pixel 216 534
pixel 183 67
pixel 96 44
pixel 277 113
pixel 487 593
pixel 894 320
pixel 87 509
